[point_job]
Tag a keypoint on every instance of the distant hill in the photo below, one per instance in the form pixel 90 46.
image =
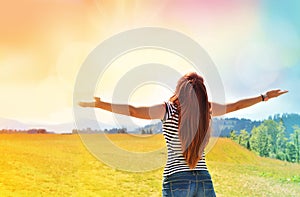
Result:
pixel 289 121
pixel 220 126
pixel 224 126
pixel 153 128
pixel 12 124
pixel 57 128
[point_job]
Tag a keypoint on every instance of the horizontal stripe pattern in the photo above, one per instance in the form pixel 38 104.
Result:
pixel 175 161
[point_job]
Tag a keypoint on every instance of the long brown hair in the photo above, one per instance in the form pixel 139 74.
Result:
pixel 194 116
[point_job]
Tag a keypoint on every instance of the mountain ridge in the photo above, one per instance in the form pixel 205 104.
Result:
pixel 221 126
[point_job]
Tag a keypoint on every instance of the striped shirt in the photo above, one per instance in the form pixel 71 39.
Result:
pixel 175 161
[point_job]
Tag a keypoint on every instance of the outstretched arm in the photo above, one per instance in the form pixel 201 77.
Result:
pixel 152 112
pixel 220 109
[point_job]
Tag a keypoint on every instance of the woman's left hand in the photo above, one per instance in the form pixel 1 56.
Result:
pixel 275 93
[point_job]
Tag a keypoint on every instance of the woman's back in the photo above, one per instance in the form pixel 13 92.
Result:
pixel 176 161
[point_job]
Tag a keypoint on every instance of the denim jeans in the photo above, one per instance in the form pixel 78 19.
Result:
pixel 187 184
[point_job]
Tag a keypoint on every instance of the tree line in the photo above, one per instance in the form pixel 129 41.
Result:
pixel 29 131
pixel 95 131
pixel 224 126
pixel 269 139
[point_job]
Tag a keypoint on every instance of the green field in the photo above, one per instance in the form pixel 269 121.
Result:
pixel 60 165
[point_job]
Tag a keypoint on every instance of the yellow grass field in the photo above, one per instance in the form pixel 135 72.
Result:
pixel 60 165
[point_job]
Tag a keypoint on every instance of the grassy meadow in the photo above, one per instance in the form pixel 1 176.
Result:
pixel 60 165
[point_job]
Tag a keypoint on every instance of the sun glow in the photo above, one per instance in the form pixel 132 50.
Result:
pixel 43 44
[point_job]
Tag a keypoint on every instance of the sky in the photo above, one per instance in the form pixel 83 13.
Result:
pixel 254 44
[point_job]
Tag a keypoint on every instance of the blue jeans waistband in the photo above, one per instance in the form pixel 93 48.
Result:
pixel 190 175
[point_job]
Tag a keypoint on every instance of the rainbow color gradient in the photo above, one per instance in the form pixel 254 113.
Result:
pixel 254 44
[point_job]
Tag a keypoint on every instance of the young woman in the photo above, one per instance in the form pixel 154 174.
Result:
pixel 186 119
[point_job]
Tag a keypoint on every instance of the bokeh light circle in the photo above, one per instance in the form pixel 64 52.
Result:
pixel 111 49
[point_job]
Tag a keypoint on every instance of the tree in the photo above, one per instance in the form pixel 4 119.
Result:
pixel 248 143
pixel 291 152
pixel 259 141
pixel 268 139
pixel 122 130
pixel 281 142
pixel 255 146
pixel 150 131
pixel 295 137
pixel 272 128
pixel 243 138
pixel 233 135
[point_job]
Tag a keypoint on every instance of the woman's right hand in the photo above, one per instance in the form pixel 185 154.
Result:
pixel 90 104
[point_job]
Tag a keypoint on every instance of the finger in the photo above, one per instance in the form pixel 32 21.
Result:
pixel 283 92
pixel 97 98
pixel 82 104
